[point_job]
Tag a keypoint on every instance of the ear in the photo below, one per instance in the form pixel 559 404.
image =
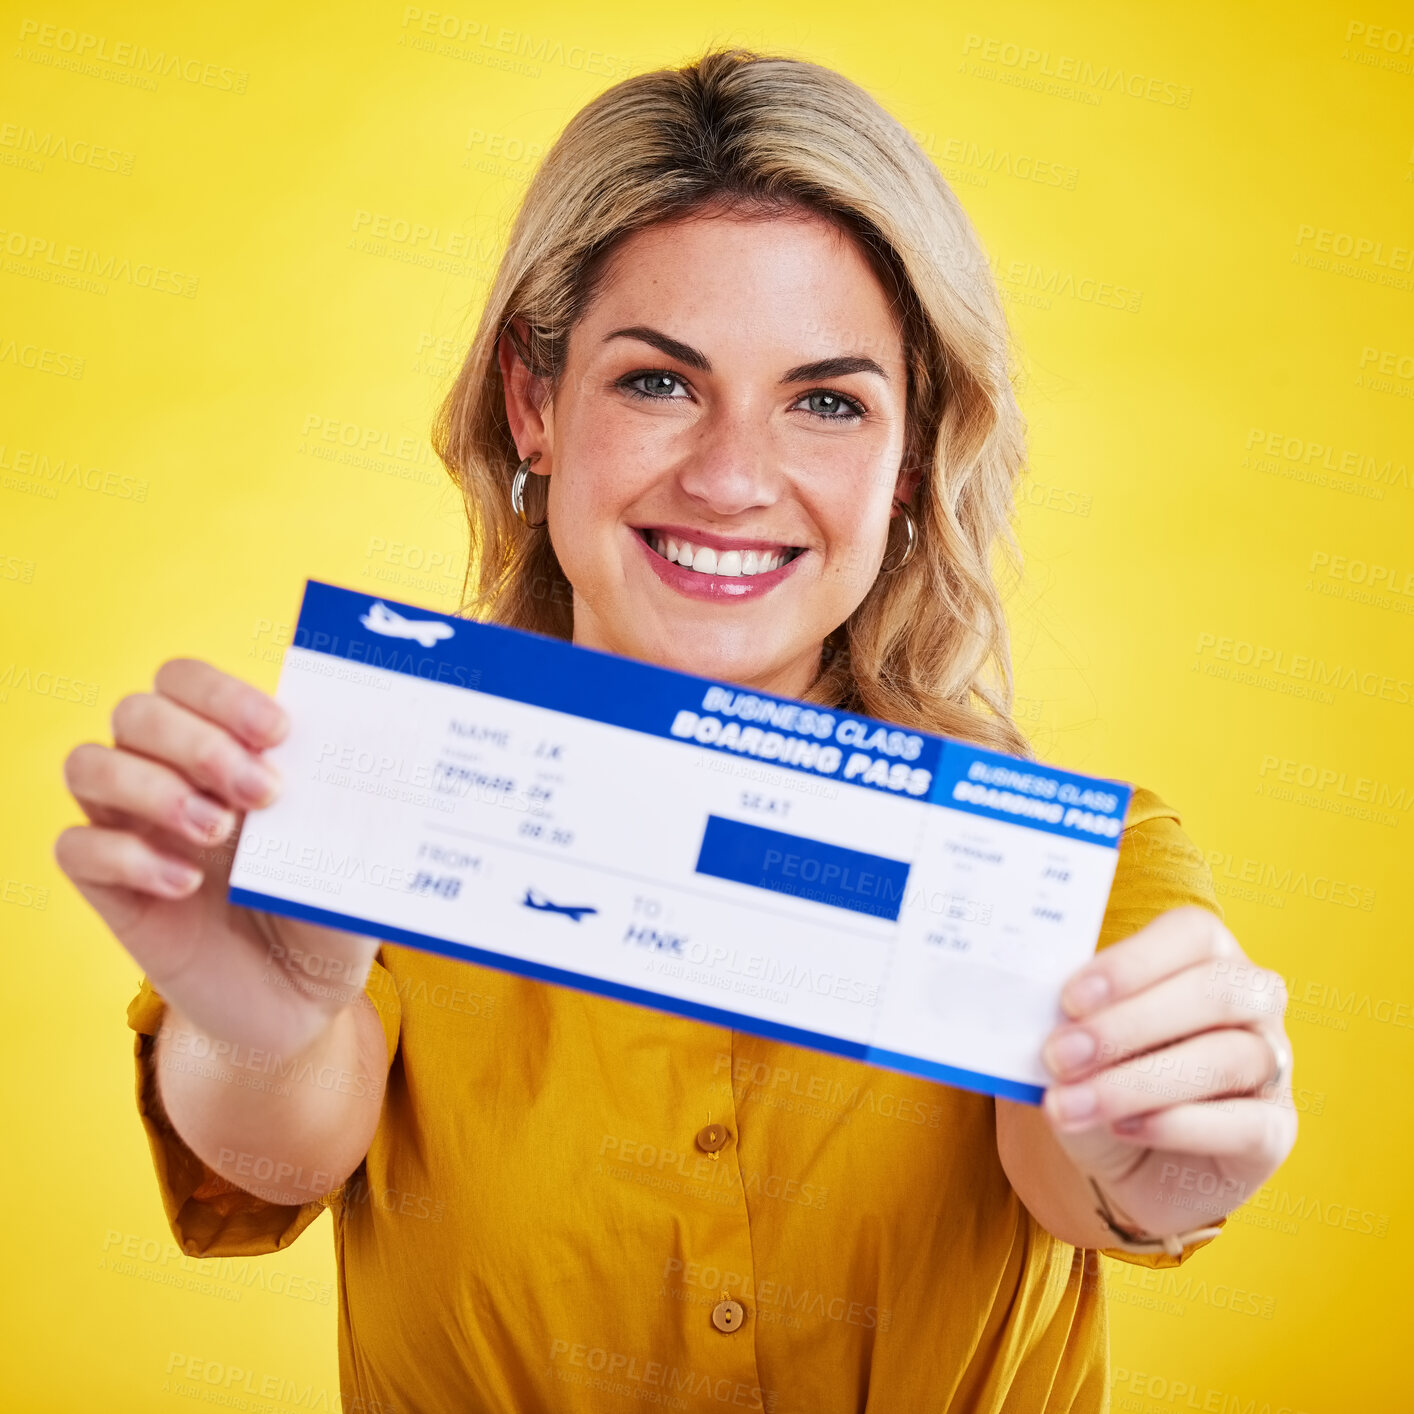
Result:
pixel 530 417
pixel 907 484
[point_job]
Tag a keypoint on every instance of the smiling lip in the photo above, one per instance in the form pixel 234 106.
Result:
pixel 706 537
pixel 692 584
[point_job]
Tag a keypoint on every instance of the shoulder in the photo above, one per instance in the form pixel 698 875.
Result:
pixel 1146 805
pixel 1159 868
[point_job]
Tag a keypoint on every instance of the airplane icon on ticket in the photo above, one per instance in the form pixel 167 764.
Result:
pixel 381 619
pixel 534 899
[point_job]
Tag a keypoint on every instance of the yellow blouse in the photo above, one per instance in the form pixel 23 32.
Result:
pixel 548 1219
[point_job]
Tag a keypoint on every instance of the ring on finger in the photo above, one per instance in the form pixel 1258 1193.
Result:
pixel 1281 1054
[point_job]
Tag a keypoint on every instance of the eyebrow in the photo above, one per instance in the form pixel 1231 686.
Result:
pixel 836 367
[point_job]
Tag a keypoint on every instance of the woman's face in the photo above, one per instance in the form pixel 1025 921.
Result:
pixel 724 447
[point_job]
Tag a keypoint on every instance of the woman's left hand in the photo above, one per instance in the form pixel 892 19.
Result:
pixel 1164 1072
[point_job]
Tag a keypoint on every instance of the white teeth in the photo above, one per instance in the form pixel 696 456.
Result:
pixel 729 563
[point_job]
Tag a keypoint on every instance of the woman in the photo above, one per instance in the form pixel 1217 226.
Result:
pixel 739 405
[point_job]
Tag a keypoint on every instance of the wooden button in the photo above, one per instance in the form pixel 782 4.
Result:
pixel 712 1137
pixel 728 1315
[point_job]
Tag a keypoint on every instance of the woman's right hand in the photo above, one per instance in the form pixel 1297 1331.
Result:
pixel 166 802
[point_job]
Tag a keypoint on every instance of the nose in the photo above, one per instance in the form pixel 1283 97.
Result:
pixel 731 467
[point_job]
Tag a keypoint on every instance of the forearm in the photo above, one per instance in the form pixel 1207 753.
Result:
pixel 286 1128
pixel 1059 1196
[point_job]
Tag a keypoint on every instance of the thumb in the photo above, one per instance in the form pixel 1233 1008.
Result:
pixel 1098 1152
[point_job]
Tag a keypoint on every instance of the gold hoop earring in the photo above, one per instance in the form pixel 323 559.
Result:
pixel 912 527
pixel 518 493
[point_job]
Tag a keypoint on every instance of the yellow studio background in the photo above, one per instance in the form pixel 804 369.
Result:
pixel 1203 229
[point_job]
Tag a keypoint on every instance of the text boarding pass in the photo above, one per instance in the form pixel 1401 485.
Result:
pixel 798 872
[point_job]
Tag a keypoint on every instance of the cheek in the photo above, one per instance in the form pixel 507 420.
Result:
pixel 855 519
pixel 590 497
pixel 604 462
pixel 580 528
pixel 855 523
pixel 850 487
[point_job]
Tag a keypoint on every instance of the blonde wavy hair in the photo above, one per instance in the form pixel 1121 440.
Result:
pixel 928 646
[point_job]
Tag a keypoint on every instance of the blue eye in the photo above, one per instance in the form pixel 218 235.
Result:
pixel 656 379
pixel 832 407
pixel 658 384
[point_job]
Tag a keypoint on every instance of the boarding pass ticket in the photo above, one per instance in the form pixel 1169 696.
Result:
pixel 798 872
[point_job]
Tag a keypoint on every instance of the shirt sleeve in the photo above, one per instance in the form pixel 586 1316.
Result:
pixel 208 1214
pixel 1159 868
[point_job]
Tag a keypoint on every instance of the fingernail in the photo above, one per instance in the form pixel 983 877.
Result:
pixel 208 821
pixel 263 718
pixel 1085 993
pixel 178 878
pixel 1131 1125
pixel 1069 1049
pixel 1075 1102
pixel 255 784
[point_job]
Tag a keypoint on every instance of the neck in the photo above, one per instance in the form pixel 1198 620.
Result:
pixel 792 678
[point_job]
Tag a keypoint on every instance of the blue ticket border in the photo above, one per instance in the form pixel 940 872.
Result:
pixel 656 1001
pixel 553 673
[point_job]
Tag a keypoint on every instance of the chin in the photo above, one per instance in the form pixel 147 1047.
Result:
pixel 728 657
